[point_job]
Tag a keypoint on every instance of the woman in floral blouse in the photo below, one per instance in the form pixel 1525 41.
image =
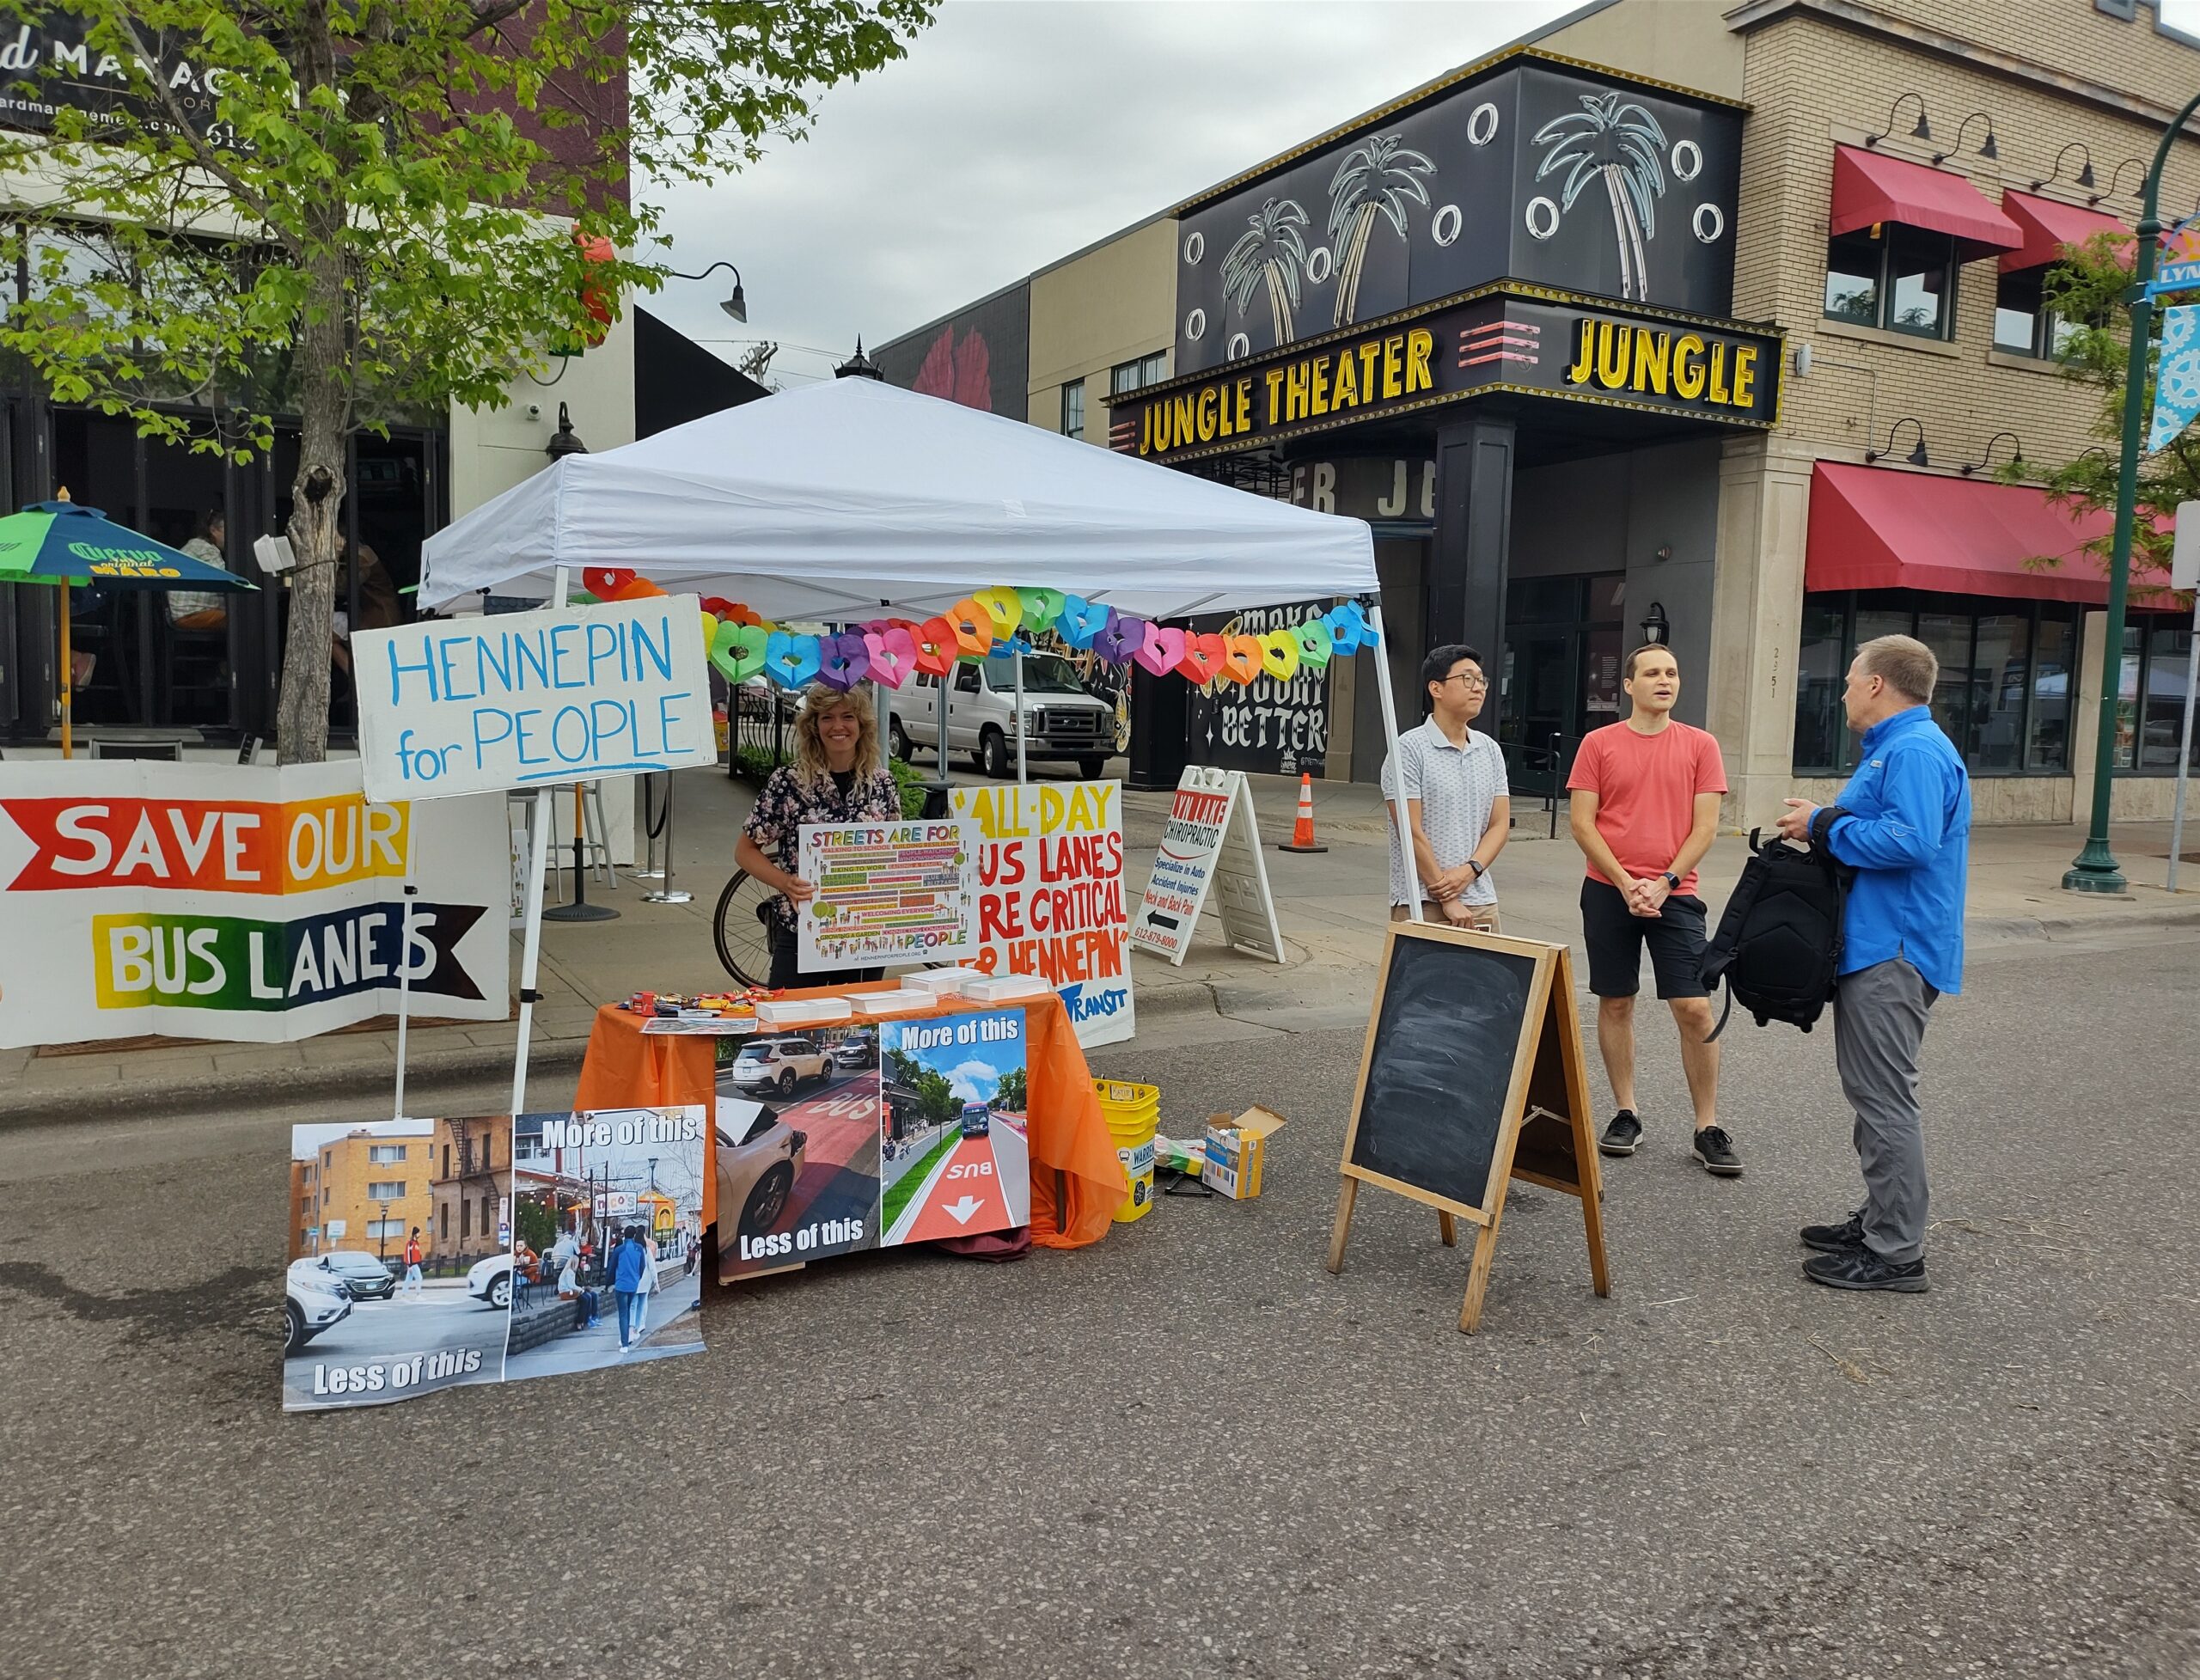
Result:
pixel 839 775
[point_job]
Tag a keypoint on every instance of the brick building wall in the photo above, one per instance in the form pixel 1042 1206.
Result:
pixel 339 1183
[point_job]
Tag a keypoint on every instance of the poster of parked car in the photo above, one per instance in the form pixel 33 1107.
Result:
pixel 868 1136
pixel 797 1148
pixel 435 1253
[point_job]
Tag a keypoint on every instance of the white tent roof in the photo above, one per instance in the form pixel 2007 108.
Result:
pixel 836 500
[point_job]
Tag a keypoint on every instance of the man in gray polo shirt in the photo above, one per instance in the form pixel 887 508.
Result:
pixel 1450 807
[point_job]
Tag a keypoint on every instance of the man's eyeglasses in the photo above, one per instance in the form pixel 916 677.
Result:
pixel 1470 678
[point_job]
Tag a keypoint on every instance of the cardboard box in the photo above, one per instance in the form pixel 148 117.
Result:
pixel 1237 1151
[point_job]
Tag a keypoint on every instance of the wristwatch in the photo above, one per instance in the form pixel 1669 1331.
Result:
pixel 1672 882
pixel 1475 864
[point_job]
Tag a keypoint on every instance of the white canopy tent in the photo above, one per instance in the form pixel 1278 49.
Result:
pixel 846 500
pixel 851 500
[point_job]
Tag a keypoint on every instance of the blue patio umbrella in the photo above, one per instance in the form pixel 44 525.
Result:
pixel 63 542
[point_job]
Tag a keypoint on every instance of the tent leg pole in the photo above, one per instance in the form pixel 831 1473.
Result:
pixel 1382 651
pixel 1022 775
pixel 404 960
pixel 531 941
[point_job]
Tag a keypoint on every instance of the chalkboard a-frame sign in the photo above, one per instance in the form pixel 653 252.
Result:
pixel 1472 1075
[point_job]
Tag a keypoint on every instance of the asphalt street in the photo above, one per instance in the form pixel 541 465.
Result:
pixel 1189 1450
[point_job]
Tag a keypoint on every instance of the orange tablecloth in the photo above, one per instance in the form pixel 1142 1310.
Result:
pixel 1077 1182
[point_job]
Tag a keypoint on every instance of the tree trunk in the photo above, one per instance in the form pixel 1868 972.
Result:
pixel 1279 307
pixel 318 492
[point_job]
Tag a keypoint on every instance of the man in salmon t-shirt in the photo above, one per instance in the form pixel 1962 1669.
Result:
pixel 1645 807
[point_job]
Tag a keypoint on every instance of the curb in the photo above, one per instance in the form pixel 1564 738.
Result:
pixel 2140 917
pixel 251 1090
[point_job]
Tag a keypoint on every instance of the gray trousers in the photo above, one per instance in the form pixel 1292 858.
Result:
pixel 1878 1027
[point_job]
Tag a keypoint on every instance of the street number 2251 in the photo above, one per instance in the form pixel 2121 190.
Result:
pixel 971 1169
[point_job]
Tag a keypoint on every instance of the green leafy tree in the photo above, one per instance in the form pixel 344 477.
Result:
pixel 2085 292
pixel 354 211
pixel 1013 1093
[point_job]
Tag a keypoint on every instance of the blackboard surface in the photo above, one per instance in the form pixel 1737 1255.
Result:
pixel 1440 1066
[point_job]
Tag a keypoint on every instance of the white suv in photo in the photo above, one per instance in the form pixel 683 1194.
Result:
pixel 778 1065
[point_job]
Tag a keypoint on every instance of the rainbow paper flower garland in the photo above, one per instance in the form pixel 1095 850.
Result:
pixel 892 650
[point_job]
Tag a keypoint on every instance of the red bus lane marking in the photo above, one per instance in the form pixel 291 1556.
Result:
pixel 963 1198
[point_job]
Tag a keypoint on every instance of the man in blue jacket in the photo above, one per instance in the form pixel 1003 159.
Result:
pixel 1904 823
pixel 629 1277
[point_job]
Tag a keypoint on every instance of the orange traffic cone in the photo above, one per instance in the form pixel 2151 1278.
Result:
pixel 1302 832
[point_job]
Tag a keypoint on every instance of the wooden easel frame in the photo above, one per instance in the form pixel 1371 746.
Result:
pixel 1549 1055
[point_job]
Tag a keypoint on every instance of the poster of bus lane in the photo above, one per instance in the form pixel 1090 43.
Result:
pixel 1051 895
pixel 898 1133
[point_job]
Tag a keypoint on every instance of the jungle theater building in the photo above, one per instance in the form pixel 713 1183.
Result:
pixel 1685 321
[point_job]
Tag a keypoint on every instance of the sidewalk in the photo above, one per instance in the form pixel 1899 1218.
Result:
pixel 1332 908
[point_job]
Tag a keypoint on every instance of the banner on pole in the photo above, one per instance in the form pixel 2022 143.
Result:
pixel 2177 377
pixel 522 700
pixel 1051 897
pixel 255 903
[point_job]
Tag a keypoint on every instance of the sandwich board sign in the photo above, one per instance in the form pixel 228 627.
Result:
pixel 1210 843
pixel 1472 1075
pixel 525 699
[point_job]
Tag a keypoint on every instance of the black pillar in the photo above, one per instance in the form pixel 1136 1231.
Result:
pixel 1159 717
pixel 1474 531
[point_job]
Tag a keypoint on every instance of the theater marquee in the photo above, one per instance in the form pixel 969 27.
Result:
pixel 1502 340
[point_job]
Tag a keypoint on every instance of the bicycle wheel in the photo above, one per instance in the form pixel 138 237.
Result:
pixel 744 950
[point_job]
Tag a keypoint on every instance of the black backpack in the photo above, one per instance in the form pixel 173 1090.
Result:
pixel 1778 947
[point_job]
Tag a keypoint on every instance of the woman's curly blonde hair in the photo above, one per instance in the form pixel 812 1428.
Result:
pixel 811 768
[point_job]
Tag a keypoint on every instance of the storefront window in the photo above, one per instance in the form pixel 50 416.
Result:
pixel 2003 694
pixel 2169 652
pixel 1819 677
pixel 1903 281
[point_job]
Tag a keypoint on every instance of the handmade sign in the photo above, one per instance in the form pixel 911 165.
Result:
pixel 1051 896
pixel 1278 724
pixel 874 1136
pixel 1472 1075
pixel 401 1283
pixel 1211 841
pixel 519 699
pixel 887 892
pixel 254 903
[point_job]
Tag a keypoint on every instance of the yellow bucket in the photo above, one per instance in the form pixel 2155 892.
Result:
pixel 1132 1112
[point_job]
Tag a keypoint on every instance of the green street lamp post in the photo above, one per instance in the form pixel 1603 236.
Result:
pixel 2094 869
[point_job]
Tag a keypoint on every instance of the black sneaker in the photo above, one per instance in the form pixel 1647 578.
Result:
pixel 1860 1268
pixel 1623 1136
pixel 1836 1239
pixel 1715 1151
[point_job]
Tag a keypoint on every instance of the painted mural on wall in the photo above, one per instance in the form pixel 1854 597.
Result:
pixel 1535 171
pixel 977 357
pixel 1268 727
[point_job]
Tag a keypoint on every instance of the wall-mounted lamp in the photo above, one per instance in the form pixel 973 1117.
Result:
pixel 736 304
pixel 859 366
pixel 1657 629
pixel 1916 457
pixel 2085 176
pixel 2115 175
pixel 1664 552
pixel 1922 131
pixel 1987 148
pixel 566 441
pixel 1985 455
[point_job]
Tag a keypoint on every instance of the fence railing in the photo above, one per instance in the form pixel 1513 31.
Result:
pixel 1539 769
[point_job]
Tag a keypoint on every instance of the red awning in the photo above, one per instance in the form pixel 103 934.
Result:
pixel 1876 528
pixel 2048 226
pixel 1869 189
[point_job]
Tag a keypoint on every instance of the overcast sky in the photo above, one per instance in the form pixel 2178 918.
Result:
pixel 1019 130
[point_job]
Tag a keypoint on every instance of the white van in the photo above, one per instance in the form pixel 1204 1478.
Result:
pixel 1062 722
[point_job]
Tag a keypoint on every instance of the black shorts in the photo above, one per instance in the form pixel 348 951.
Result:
pixel 1616 936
